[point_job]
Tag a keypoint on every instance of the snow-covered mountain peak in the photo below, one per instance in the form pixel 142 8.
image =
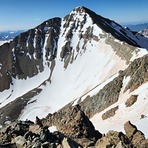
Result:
pixel 68 58
pixel 79 9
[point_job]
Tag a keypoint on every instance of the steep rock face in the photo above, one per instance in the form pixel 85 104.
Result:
pixel 136 137
pixel 6 63
pixel 116 30
pixel 107 96
pixel 108 26
pixel 23 57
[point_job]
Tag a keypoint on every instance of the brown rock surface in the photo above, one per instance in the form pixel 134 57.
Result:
pixel 109 113
pixel 112 139
pixel 131 100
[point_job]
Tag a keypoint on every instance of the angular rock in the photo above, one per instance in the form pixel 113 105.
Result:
pixel 130 129
pixel 112 139
pixel 35 129
pixel 85 142
pixel 20 142
pixel 138 138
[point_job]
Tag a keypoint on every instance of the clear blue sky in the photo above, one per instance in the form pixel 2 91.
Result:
pixel 26 14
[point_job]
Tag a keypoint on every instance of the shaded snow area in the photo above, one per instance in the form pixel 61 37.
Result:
pixel 124 114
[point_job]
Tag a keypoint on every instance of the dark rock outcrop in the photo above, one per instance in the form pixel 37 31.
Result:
pixel 137 71
pixel 107 96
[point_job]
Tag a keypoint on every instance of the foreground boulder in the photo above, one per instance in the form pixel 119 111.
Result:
pixel 135 136
pixel 112 139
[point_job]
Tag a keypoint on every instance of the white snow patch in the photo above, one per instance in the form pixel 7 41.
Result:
pixel 140 52
pixel 52 129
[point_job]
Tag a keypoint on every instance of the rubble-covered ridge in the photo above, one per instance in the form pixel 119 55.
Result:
pixel 75 130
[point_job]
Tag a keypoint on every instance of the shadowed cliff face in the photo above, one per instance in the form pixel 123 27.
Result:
pixel 23 57
pixel 6 64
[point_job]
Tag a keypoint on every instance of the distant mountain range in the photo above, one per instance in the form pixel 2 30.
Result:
pixel 138 27
pixel 9 35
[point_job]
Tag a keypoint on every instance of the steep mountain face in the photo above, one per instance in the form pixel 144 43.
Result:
pixel 81 59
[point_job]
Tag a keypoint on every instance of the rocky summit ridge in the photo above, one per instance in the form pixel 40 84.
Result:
pixel 74 131
pixel 84 75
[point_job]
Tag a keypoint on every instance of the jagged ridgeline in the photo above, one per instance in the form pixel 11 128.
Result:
pixel 82 59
